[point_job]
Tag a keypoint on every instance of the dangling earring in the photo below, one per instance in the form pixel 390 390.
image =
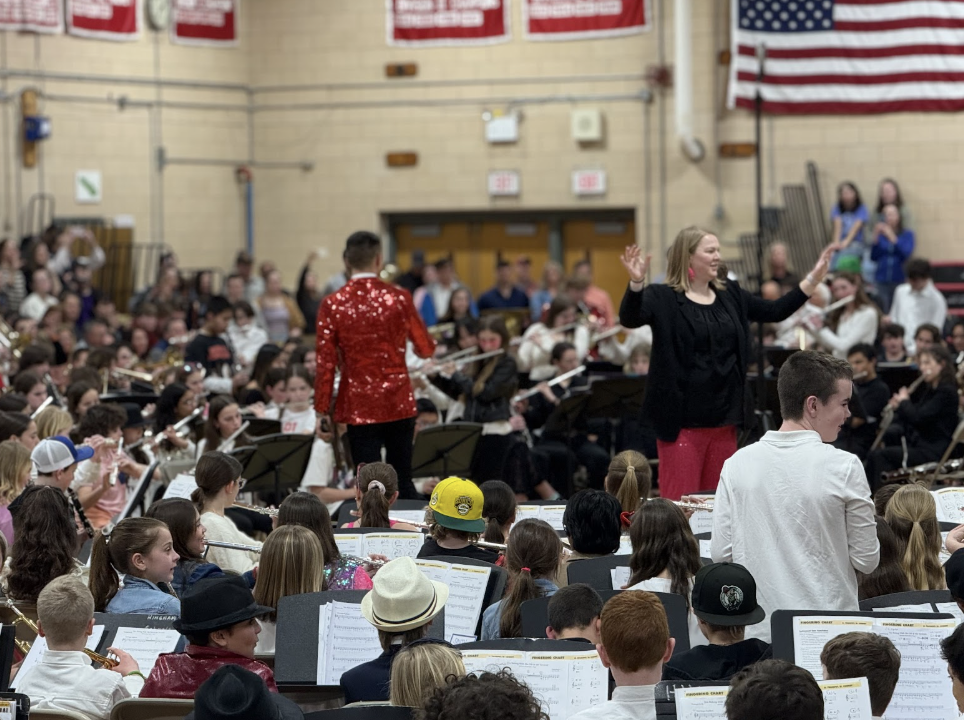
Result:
pixel 691 274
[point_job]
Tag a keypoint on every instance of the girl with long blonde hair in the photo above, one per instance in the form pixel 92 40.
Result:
pixel 912 515
pixel 15 467
pixel 629 479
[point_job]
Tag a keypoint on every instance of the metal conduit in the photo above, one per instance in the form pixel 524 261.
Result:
pixel 403 84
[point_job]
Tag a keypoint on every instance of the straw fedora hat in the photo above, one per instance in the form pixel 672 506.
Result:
pixel 402 598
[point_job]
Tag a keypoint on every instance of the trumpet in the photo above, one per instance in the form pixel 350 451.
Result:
pixel 134 374
pixel 270 512
pixel 24 646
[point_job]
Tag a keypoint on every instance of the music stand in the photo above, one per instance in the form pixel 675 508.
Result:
pixel 445 450
pixel 136 498
pixel 142 399
pixel 615 398
pixel 259 427
pixel 562 420
pixel 276 461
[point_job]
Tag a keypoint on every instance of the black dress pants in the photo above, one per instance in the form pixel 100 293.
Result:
pixel 367 441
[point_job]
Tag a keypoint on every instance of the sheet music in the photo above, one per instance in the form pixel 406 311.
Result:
pixel 415 516
pixel 350 544
pixel 812 632
pixel 705 548
pixel 526 511
pixel 145 644
pixel 393 545
pixel 951 608
pixel 924 689
pixel 345 640
pixel 466 585
pixel 950 504
pixel 701 521
pixel 923 608
pixel 625 545
pixel 701 703
pixel 620 576
pixel 944 555
pixel 564 682
pixel 552 514
pixel 181 487
pixel 38 649
pixel 846 699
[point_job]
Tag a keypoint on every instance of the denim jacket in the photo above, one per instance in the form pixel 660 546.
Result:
pixel 188 572
pixel 493 614
pixel 142 597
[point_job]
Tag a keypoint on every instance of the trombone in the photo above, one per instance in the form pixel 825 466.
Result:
pixel 24 646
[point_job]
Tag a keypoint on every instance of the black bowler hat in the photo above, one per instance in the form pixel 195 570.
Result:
pixel 215 603
pixel 233 692
pixel 725 594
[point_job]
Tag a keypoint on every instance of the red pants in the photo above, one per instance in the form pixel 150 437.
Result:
pixel 693 463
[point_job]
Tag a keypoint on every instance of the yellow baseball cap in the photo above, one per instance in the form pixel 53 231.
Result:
pixel 457 504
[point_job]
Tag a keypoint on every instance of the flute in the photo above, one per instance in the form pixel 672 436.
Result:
pixel 270 512
pixel 116 468
pixel 179 425
pixel 234 436
pixel 498 547
pixel 839 304
pixel 43 406
pixel 555 381
pixel 232 546
pixel 887 416
pixel 606 334
pixel 561 329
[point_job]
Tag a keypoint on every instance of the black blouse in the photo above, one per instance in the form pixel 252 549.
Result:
pixel 715 381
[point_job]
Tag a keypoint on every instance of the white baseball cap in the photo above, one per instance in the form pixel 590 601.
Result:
pixel 57 453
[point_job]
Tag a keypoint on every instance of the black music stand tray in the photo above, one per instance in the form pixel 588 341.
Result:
pixel 445 450
pixel 259 427
pixel 614 398
pixel 277 461
pixel 562 421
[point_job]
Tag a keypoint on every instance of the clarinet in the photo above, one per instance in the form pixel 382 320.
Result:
pixel 88 528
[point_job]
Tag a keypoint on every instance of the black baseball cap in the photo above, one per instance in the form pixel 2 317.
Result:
pixel 954 574
pixel 725 594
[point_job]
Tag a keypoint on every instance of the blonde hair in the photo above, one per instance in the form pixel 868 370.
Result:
pixel 630 479
pixel 292 563
pixel 14 462
pixel 417 671
pixel 65 607
pixel 912 514
pixel 678 259
pixel 53 421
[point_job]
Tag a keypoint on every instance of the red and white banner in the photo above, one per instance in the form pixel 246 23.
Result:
pixel 205 22
pixel 581 19
pixel 447 22
pixel 104 19
pixel 42 16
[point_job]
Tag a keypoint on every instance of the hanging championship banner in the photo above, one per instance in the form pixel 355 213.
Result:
pixel 581 19
pixel 42 16
pixel 104 19
pixel 205 22
pixel 447 22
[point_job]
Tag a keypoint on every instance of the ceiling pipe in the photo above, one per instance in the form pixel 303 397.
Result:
pixel 691 146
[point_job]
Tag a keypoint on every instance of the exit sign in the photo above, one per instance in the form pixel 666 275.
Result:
pixel 504 183
pixel 588 182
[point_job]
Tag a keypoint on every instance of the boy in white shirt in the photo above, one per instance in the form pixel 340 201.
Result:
pixel 64 678
pixel 794 510
pixel 635 644
pixel 917 301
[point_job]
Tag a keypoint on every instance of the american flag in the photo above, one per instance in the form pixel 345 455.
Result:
pixel 849 56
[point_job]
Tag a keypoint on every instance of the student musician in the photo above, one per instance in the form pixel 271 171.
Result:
pixel 224 420
pixel 551 453
pixel 456 507
pixel 376 490
pixel 629 478
pixel 486 392
pixel 187 533
pixel 175 404
pixel 142 549
pixel 927 419
pixel 858 433
pixel 219 481
pixel 539 339
pixel 864 654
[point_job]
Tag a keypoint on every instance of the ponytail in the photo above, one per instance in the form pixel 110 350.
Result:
pixel 215 470
pixel 628 493
pixel 379 484
pixel 533 551
pixel 920 562
pixel 498 509
pixel 111 554
pixel 912 514
pixel 630 479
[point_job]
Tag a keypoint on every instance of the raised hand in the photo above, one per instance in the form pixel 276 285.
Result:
pixel 636 266
pixel 822 267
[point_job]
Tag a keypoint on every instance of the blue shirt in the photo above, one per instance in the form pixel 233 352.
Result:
pixel 890 257
pixel 493 299
pixel 142 597
pixel 493 614
pixel 188 572
pixel 847 221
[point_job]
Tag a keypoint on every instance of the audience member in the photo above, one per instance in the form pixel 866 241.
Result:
pixel 505 295
pixel 574 613
pixel 218 617
pixel 917 301
pixel 63 679
pixel 774 690
pixel 724 601
pixel 867 655
pixel 401 606
pixel 634 645
pixel 849 217
pixel 420 668
pixel 793 472
pixel 596 298
pixel 891 245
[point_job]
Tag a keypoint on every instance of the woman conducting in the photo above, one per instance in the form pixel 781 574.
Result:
pixel 701 328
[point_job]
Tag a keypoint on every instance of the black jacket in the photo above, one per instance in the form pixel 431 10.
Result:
pixel 370 681
pixel 490 405
pixel 930 417
pixel 715 662
pixel 660 307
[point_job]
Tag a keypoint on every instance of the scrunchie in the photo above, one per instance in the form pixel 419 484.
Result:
pixel 378 485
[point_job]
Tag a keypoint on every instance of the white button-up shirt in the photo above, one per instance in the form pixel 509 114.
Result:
pixel 797 514
pixel 65 680
pixel 634 702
